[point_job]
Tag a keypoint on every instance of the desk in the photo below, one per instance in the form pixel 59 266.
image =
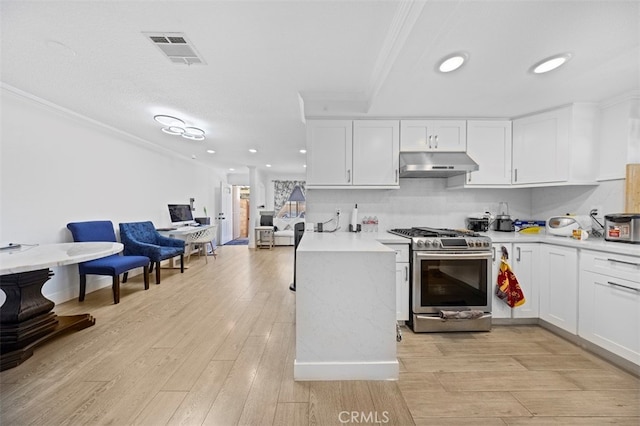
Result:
pixel 26 320
pixel 264 237
pixel 184 233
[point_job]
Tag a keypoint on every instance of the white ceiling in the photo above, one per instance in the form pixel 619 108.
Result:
pixel 337 58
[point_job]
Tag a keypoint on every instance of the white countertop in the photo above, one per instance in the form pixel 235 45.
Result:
pixel 343 241
pixel 32 258
pixel 588 244
pixel 366 241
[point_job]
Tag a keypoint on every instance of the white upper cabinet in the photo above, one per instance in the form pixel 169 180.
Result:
pixel 619 142
pixel 376 152
pixel 433 135
pixel 489 145
pixel 556 147
pixel 329 152
pixel 346 153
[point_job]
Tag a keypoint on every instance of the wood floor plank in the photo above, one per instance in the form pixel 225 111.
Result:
pixel 389 403
pixel 557 362
pixel 291 413
pixel 460 421
pixel 602 379
pixel 195 406
pixel 325 403
pixel 429 404
pixel 160 409
pixel 492 348
pixel 465 363
pixel 228 406
pixel 605 403
pixel 572 421
pixel 291 390
pixel 261 402
pixel 487 381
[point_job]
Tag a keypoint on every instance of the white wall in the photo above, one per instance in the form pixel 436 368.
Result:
pixel 58 167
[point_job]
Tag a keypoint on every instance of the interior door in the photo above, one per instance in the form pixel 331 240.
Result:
pixel 225 215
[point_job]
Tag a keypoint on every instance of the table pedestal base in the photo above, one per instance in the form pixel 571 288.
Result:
pixel 26 320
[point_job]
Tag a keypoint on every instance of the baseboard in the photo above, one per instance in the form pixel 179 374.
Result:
pixel 382 370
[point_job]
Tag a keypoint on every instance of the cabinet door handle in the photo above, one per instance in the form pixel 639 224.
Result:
pixel 349 176
pixel 518 256
pixel 469 176
pixel 406 273
pixel 622 261
pixel 436 139
pixel 623 286
pixel 397 175
pixel 493 254
pixel 430 137
pixel 515 172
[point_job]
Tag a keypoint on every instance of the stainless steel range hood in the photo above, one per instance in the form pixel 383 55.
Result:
pixel 435 164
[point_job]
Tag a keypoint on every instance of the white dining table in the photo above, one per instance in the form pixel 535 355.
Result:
pixel 26 317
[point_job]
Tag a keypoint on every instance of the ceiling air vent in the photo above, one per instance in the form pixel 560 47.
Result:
pixel 176 47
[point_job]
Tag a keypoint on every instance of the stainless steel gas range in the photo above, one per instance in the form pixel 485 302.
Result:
pixel 450 280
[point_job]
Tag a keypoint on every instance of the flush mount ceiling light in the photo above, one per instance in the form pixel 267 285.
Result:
pixel 177 127
pixel 550 63
pixel 452 62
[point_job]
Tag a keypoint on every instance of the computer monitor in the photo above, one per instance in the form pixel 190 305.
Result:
pixel 180 214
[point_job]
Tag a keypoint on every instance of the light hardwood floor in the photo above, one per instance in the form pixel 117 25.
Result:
pixel 215 346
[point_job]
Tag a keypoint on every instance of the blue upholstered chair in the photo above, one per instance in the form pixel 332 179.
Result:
pixel 114 265
pixel 141 238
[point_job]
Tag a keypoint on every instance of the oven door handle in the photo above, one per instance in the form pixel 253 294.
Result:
pixel 453 256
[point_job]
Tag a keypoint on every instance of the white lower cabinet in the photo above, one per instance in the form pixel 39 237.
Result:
pixel 402 280
pixel 609 302
pixel 499 309
pixel 524 263
pixel 559 287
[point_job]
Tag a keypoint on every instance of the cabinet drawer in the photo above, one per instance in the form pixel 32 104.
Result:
pixel 612 265
pixel 402 251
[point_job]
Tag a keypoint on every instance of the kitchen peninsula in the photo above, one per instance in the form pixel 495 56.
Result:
pixel 345 308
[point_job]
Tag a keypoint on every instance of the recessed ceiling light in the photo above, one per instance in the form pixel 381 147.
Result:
pixel 452 62
pixel 303 151
pixel 268 165
pixel 231 169
pixel 304 165
pixel 210 151
pixel 253 151
pixel 550 63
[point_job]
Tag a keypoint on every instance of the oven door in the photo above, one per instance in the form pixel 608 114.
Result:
pixel 451 281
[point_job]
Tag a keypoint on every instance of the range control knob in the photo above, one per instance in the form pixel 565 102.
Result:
pixel 486 244
pixel 427 243
pixel 419 243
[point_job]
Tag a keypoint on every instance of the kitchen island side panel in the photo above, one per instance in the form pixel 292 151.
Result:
pixel 345 316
